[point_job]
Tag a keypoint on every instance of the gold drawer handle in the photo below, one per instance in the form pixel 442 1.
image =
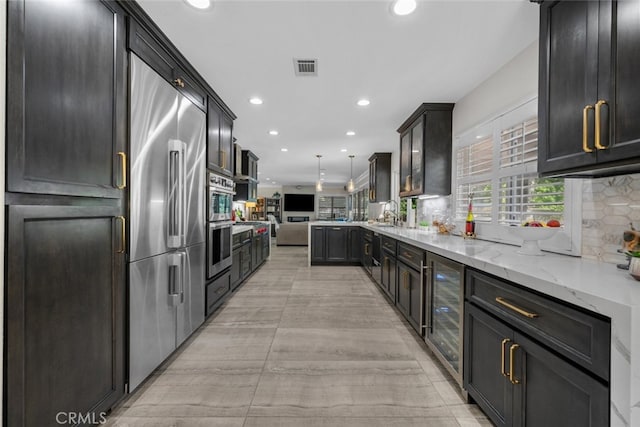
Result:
pixel 599 105
pixel 123 231
pixel 123 165
pixel 518 310
pixel 502 352
pixel 512 353
pixel 585 129
pixel 408 255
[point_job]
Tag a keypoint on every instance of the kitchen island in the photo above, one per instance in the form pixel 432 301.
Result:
pixel 594 286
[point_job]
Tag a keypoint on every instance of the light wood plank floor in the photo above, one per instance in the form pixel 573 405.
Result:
pixel 301 346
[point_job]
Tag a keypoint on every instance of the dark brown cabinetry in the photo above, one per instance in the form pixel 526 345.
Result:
pixel 389 268
pixel 410 296
pixel 380 177
pixel 66 109
pixel 588 89
pixel 425 151
pixel 217 289
pixel 65 299
pixel 515 366
pixel 247 177
pixel 219 139
pixel 335 245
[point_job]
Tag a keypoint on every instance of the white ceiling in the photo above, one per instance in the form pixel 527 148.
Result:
pixel 246 48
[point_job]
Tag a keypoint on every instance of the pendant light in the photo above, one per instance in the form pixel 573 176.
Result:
pixel 350 185
pixel 319 183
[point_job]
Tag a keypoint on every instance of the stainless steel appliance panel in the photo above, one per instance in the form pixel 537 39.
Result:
pixel 190 312
pixel 192 131
pixel 154 106
pixel 153 290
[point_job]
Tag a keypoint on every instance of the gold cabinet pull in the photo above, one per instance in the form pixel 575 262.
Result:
pixel 502 352
pixel 512 353
pixel 366 249
pixel 405 276
pixel 179 82
pixel 597 137
pixel 517 309
pixel 123 231
pixel 123 172
pixel 585 129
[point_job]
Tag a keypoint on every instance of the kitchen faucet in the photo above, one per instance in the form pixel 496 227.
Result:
pixel 393 211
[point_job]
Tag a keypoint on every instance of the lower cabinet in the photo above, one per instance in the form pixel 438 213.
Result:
pixel 367 247
pixel 518 382
pixel 335 245
pixel 389 266
pixel 256 251
pixel 410 295
pixel 236 267
pixel 216 290
pixel 65 287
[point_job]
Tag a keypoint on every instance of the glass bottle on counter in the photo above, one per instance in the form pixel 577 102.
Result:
pixel 470 223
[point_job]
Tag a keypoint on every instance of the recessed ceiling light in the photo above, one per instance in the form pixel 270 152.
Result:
pixel 350 133
pixel 344 150
pixel 273 132
pixel 404 7
pixel 259 173
pixel 321 173
pixel 363 102
pixel 273 182
pixel 255 100
pixel 284 149
pixel 321 179
pixel 199 4
pixel 479 136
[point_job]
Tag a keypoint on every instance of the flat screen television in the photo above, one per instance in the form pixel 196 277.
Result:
pixel 299 202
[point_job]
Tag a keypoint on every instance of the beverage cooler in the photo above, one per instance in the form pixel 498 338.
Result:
pixel 444 311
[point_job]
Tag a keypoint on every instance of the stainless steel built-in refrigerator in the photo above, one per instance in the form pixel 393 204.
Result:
pixel 167 247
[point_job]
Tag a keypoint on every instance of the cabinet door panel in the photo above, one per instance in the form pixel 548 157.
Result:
pixel 416 305
pixel 317 244
pixel 404 289
pixel 417 146
pixel 568 82
pixel 405 163
pixel 226 146
pixel 483 352
pixel 65 296
pixel 337 244
pixel 66 101
pixel 355 244
pixel 214 116
pixel 618 79
pixel 553 392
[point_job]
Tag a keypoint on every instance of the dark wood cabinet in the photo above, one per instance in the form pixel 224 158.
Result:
pixel 247 180
pixel 380 177
pixel 66 103
pixel 409 295
pixel 339 245
pixel 65 321
pixel 388 281
pixel 219 139
pixel 236 267
pixel 589 60
pixel 517 382
pixel 425 151
pixel 355 245
pixel 217 289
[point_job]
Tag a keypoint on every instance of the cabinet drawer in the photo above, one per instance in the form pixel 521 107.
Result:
pixel 367 234
pixel 217 289
pixel 411 255
pixel 582 337
pixel 389 245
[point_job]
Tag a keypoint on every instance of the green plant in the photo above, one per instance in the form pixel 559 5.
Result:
pixel 635 254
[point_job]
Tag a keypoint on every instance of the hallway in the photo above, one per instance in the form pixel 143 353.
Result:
pixel 301 346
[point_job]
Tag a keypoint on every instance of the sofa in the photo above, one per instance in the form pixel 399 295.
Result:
pixel 293 234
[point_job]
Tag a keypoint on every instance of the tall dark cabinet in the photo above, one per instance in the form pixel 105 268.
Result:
pixel 379 177
pixel 220 153
pixel 425 151
pixel 66 230
pixel 588 88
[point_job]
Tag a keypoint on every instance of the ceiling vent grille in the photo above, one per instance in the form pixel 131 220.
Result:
pixel 305 67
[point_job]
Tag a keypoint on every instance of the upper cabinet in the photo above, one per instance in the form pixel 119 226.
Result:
pixel 219 139
pixel 157 57
pixel 588 89
pixel 380 177
pixel 425 151
pixel 246 176
pixel 66 108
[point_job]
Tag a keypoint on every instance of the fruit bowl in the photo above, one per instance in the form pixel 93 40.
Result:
pixel 530 237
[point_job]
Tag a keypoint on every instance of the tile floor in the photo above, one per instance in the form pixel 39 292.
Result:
pixel 301 346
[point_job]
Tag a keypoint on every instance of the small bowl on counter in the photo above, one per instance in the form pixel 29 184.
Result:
pixel 530 237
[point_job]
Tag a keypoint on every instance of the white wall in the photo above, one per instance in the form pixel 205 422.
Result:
pixel 515 82
pixel 3 63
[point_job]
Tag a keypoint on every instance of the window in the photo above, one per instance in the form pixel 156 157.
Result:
pixel 497 163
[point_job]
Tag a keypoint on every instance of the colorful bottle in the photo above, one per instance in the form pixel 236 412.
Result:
pixel 470 223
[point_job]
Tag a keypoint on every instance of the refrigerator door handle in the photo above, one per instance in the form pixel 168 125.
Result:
pixel 177 194
pixel 183 271
pixel 175 278
pixel 183 193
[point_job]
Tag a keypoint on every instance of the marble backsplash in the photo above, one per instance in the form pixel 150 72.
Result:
pixel 608 206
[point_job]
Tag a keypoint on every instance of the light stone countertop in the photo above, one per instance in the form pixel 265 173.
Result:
pixel 240 228
pixel 593 285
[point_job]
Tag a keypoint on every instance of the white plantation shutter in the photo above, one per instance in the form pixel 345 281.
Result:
pixel 497 162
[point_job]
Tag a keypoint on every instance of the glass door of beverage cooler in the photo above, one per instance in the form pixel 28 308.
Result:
pixel 444 311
